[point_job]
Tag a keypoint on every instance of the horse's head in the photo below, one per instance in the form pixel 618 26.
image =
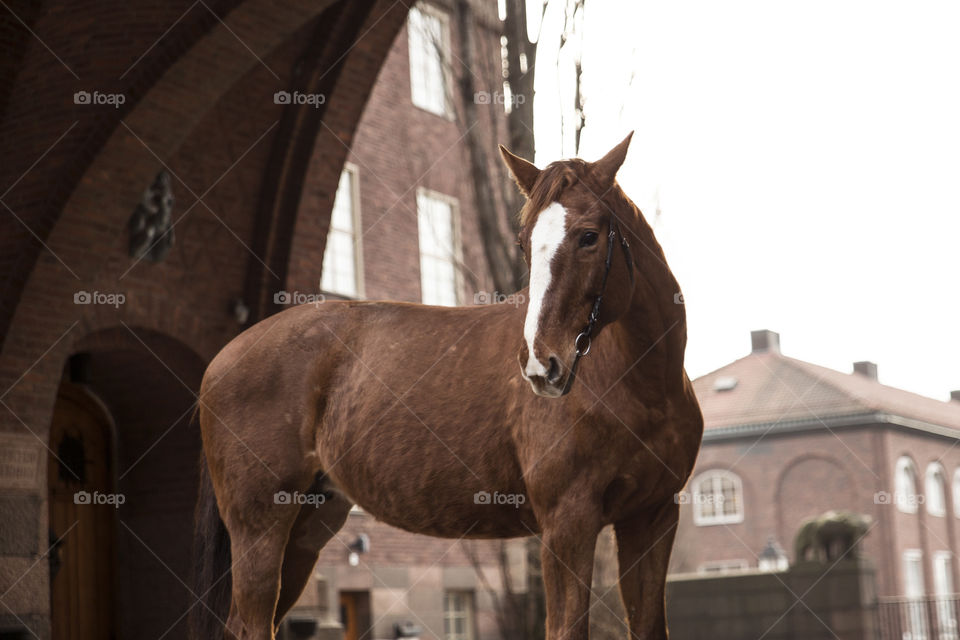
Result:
pixel 574 226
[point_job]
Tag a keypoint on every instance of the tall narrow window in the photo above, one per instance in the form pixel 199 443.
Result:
pixel 458 615
pixel 341 258
pixel 943 588
pixel 437 224
pixel 915 614
pixel 717 498
pixel 935 490
pixel 913 573
pixel 905 490
pixel 428 33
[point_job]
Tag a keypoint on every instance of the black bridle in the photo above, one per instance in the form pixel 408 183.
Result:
pixel 583 340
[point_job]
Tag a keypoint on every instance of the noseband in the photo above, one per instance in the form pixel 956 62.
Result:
pixel 582 342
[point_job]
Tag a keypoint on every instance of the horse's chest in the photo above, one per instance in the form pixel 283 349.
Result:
pixel 652 470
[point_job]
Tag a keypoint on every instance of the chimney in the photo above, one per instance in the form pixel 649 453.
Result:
pixel 955 396
pixel 765 340
pixel 866 368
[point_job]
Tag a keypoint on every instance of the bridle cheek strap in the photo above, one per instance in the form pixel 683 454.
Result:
pixel 583 340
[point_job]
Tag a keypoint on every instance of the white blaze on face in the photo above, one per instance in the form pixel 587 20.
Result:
pixel 545 239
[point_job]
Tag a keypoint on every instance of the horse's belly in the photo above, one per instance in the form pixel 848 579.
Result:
pixel 460 523
pixel 446 509
pixel 425 485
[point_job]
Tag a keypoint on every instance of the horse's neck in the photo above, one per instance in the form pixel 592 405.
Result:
pixel 655 325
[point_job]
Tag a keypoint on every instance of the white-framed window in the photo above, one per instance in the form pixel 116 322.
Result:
pixel 914 590
pixel 913 573
pixel 935 490
pixel 905 487
pixel 342 271
pixel 428 34
pixel 723 566
pixel 458 615
pixel 439 238
pixel 943 588
pixel 956 493
pixel 717 498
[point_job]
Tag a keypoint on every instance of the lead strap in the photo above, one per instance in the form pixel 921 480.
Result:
pixel 582 342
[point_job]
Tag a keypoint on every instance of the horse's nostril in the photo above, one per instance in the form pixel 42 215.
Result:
pixel 553 375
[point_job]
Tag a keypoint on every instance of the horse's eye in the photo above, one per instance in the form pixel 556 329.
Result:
pixel 588 239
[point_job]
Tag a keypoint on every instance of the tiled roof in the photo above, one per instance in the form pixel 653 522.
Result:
pixel 772 388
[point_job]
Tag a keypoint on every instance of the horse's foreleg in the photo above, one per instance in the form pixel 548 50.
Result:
pixel 567 561
pixel 643 553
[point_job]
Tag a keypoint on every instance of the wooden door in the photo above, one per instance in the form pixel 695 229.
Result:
pixel 348 615
pixel 82 518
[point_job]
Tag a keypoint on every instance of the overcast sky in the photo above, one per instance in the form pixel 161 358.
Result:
pixel 807 159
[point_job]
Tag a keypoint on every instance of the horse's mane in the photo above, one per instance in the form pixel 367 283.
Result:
pixel 551 182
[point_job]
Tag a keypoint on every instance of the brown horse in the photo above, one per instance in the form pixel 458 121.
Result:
pixel 419 415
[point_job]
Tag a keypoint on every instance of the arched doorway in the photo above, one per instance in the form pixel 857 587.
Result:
pixel 125 563
pixel 82 509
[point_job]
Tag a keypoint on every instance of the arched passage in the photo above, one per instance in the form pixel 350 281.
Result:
pixel 81 484
pixel 146 464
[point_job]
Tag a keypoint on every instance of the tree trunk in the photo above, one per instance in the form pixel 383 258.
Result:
pixel 521 63
pixel 497 249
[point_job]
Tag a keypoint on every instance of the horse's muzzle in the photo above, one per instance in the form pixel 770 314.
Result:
pixel 553 383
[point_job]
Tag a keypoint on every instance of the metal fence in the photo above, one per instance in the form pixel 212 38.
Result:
pixel 923 618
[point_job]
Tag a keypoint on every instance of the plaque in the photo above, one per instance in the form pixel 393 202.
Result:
pixel 21 459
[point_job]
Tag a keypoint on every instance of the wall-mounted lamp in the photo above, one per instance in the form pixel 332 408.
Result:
pixel 241 312
pixel 360 545
pixel 773 557
pixel 151 224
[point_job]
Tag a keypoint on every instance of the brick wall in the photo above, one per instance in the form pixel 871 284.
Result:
pixel 397 148
pixel 922 530
pixel 790 477
pixel 200 103
pixel 786 478
pixel 407 575
pixel 400 148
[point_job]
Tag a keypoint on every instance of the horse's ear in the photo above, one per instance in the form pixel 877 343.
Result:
pixel 525 173
pixel 606 167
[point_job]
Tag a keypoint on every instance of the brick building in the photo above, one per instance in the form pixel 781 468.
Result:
pixel 108 110
pixel 786 440
pixel 404 227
